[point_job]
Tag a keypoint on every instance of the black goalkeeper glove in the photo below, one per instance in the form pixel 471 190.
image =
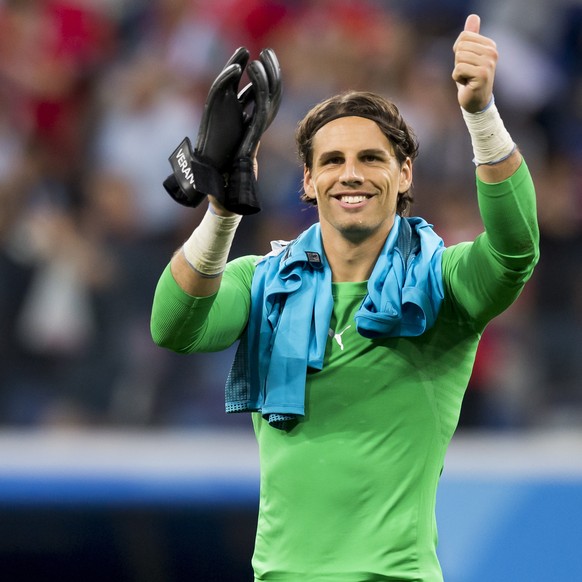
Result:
pixel 221 164
pixel 196 174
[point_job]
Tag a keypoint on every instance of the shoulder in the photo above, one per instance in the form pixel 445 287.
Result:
pixel 242 267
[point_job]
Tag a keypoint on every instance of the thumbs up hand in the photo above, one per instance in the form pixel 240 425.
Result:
pixel 475 63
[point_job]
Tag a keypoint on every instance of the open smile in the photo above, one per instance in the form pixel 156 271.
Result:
pixel 352 199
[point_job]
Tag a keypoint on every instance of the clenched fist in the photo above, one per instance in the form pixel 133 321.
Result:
pixel 475 63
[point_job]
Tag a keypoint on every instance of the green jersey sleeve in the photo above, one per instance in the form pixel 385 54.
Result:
pixel 482 278
pixel 185 324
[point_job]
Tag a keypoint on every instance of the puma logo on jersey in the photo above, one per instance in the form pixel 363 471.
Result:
pixel 338 336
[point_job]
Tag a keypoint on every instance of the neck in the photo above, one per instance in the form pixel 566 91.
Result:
pixel 352 261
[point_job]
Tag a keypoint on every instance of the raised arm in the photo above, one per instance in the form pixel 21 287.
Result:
pixel 484 277
pixel 496 156
pixel 222 166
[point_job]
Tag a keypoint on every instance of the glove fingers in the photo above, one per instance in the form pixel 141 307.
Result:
pixel 240 57
pixel 265 92
pixel 228 79
pixel 246 95
pixel 258 123
pixel 223 89
pixel 220 107
pixel 273 70
pixel 246 98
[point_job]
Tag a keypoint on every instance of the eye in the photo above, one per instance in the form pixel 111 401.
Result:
pixel 371 158
pixel 333 160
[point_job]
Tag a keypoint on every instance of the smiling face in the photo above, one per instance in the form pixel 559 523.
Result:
pixel 356 179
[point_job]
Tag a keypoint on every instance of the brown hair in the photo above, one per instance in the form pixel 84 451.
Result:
pixel 359 104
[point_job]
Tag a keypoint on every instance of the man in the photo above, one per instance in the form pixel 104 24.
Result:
pixel 358 338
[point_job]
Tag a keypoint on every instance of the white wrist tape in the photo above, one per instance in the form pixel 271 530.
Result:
pixel 490 139
pixel 207 248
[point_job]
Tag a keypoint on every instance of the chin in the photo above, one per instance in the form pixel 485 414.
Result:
pixel 357 232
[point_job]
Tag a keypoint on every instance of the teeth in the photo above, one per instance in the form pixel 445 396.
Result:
pixel 352 199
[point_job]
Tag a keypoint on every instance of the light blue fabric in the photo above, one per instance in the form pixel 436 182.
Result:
pixel 291 308
pixel 404 293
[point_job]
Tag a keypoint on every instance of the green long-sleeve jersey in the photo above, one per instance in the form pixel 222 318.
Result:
pixel 349 493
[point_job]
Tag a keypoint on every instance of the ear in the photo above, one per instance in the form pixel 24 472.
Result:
pixel 405 176
pixel 308 186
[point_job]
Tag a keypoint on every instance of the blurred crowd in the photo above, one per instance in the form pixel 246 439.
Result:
pixel 96 94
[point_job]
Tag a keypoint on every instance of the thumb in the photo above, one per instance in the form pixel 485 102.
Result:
pixel 473 23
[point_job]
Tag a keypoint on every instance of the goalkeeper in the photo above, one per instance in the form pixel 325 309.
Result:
pixel 357 339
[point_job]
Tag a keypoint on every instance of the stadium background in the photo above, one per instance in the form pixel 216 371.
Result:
pixel 116 460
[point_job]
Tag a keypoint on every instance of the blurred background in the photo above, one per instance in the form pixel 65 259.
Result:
pixel 94 96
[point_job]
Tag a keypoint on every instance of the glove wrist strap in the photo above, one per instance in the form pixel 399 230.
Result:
pixel 241 193
pixel 192 178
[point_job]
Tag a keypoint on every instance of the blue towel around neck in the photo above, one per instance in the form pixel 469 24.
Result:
pixel 291 308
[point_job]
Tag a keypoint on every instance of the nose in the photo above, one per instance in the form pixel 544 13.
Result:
pixel 351 173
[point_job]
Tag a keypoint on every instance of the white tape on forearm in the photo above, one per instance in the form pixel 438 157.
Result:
pixel 490 139
pixel 207 248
